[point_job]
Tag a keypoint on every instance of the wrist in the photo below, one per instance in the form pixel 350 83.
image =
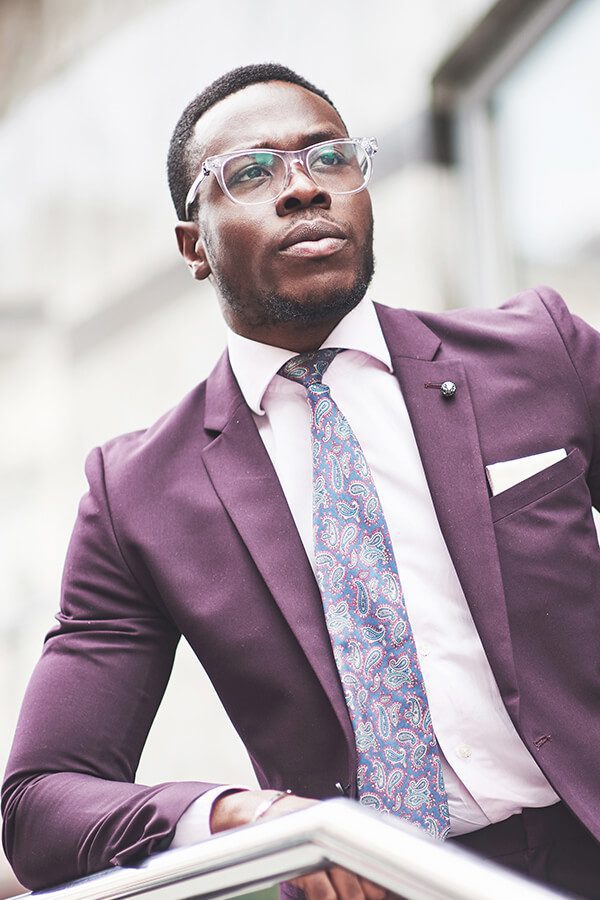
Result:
pixel 235 809
pixel 264 807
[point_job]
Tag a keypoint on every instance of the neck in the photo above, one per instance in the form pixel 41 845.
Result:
pixel 300 339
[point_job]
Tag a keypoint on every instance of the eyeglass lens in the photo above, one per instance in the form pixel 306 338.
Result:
pixel 339 167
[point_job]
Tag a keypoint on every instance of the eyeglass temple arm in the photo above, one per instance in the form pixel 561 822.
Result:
pixel 191 194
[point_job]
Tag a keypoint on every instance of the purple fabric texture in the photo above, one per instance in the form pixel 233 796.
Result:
pixel 185 530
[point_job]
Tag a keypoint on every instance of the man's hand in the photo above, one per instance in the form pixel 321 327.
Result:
pixel 233 810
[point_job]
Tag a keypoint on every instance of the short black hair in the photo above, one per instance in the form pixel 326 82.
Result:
pixel 178 159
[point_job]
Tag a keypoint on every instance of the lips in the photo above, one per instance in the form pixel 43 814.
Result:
pixel 314 240
pixel 314 231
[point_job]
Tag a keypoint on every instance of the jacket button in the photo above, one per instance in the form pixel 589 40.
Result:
pixel 448 389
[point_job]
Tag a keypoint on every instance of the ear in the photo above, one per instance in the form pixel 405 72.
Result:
pixel 192 249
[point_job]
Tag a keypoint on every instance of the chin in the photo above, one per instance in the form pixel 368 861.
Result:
pixel 320 296
pixel 318 305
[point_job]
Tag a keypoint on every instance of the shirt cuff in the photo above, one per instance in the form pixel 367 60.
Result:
pixel 194 824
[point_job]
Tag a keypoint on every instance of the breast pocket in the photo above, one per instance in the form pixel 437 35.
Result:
pixel 537 486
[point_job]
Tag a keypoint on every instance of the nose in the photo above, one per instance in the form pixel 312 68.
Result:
pixel 300 193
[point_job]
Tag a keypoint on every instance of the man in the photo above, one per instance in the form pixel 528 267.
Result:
pixel 448 602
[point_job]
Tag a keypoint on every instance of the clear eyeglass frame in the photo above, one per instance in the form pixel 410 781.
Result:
pixel 216 163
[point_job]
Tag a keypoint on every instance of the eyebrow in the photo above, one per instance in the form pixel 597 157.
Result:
pixel 314 138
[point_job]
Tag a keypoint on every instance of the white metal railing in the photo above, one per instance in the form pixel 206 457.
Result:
pixel 335 832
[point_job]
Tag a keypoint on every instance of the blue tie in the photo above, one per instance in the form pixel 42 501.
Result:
pixel 398 768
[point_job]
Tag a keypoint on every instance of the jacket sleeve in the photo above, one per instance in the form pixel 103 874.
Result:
pixel 582 343
pixel 69 803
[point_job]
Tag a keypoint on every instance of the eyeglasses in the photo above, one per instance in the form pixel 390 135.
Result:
pixel 257 176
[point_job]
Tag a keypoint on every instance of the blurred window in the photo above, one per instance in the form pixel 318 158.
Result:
pixel 546 150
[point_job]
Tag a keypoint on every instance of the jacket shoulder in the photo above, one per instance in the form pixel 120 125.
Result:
pixel 161 438
pixel 532 314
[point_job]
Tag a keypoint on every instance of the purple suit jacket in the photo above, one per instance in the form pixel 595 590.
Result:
pixel 185 530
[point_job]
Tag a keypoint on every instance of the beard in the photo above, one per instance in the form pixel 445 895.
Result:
pixel 270 308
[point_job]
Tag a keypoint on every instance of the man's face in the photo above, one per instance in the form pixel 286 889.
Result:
pixel 260 282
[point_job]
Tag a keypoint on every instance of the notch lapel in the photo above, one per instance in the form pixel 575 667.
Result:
pixel 244 479
pixel 447 437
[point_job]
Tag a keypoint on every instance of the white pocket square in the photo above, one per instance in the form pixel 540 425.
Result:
pixel 503 475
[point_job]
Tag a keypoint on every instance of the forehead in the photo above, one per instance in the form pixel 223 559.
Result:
pixel 274 114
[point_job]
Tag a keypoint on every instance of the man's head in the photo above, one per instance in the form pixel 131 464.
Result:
pixel 294 264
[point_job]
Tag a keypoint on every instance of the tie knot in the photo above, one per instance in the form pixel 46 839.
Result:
pixel 309 368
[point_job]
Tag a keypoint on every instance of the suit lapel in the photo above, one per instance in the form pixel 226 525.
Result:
pixel 245 481
pixel 447 437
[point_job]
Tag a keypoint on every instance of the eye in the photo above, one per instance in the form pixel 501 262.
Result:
pixel 251 173
pixel 244 170
pixel 329 157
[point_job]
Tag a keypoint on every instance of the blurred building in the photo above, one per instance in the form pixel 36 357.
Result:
pixel 487 182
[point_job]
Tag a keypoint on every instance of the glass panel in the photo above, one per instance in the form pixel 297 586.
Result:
pixel 267 894
pixel 254 177
pixel 270 894
pixel 547 130
pixel 339 166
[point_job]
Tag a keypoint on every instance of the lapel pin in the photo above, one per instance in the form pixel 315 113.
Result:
pixel 446 388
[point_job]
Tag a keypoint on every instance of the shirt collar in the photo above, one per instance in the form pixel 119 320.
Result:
pixel 255 365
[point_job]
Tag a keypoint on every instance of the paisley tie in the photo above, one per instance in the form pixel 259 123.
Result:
pixel 398 764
